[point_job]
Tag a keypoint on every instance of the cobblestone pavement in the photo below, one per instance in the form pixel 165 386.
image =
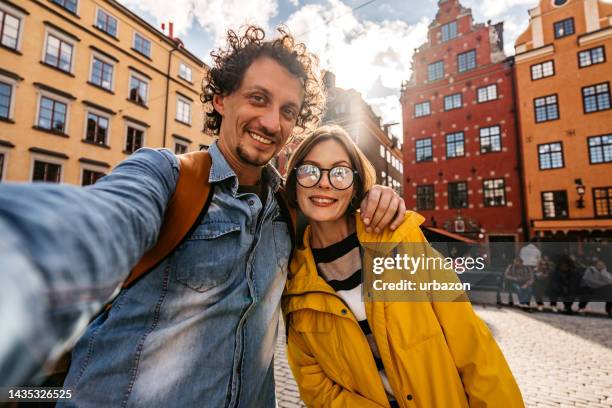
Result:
pixel 558 360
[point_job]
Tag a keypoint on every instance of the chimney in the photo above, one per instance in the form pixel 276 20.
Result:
pixel 171 28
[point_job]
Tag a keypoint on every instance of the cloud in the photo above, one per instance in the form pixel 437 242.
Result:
pixel 498 8
pixel 363 54
pixel 215 16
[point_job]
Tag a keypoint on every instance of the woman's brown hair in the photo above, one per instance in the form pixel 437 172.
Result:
pixel 366 175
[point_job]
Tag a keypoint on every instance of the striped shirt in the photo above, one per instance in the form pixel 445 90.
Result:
pixel 340 265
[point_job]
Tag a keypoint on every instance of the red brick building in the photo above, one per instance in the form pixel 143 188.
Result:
pixel 461 160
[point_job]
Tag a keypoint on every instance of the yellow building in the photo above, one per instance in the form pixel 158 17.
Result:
pixel 563 75
pixel 84 83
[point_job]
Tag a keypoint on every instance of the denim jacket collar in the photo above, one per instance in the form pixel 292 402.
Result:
pixel 221 171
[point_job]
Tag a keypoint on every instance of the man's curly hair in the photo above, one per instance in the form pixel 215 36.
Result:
pixel 230 64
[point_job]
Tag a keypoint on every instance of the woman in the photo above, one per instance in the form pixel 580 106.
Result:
pixel 521 278
pixel 347 353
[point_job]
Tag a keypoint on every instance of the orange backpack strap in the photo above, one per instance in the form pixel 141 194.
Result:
pixel 188 204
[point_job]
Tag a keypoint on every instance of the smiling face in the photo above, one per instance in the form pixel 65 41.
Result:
pixel 323 202
pixel 258 117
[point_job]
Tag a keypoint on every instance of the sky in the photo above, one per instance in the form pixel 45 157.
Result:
pixel 368 44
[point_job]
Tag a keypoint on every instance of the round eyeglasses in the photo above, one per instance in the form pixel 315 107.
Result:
pixel 340 177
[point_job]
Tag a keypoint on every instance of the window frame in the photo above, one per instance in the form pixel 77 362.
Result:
pixel 419 104
pixel 601 146
pixel 503 189
pixel 4 152
pixel 541 65
pixel 590 53
pixel 449 35
pixel 104 60
pixel 467 67
pixel 187 69
pixel 56 99
pixel 20 16
pixel 452 98
pixel 596 96
pixel 535 108
pixel 140 78
pixel 556 23
pixel 100 115
pixel 62 4
pixel 543 206
pixel 443 73
pixel 416 149
pixel 130 124
pixel 141 52
pixel 92 168
pixel 549 153
pixel 490 137
pixel 486 89
pixel 451 203
pixel 430 189
pixel 454 143
pixel 608 199
pixel 108 15
pixel 51 32
pixel 12 84
pixel 181 99
pixel 34 157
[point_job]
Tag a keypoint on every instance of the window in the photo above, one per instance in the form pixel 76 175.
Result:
pixel 490 139
pixel 487 93
pixel 52 115
pixel 424 151
pixel 457 195
pixel 180 148
pixel 422 109
pixel 9 30
pixel 70 5
pixel 542 70
pixel 596 97
pixel 44 171
pixel 455 145
pixel 591 56
pixel 382 151
pixel 134 139
pixel 546 108
pixel 102 73
pixel 550 156
pixel 425 197
pixel 449 31
pixel 106 22
pixel 602 201
pixel 2 165
pixel 185 72
pixel 554 204
pixel 452 102
pixel 466 61
pixel 58 53
pixel 97 129
pixel 564 28
pixel 494 192
pixel 139 90
pixel 600 149
pixel 6 92
pixel 142 45
pixel 388 156
pixel 91 176
pixel 183 110
pixel 435 71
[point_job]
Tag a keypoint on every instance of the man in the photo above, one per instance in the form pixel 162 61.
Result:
pixel 199 329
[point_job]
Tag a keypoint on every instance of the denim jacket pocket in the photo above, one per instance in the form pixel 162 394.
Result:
pixel 207 258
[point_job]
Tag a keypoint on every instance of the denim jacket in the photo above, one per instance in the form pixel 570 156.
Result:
pixel 199 329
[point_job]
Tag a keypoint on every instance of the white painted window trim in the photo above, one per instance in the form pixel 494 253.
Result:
pixel 140 78
pixel 47 159
pixel 145 38
pixel 129 123
pixel 188 68
pixel 178 141
pixel 90 167
pixel 98 112
pixel 6 151
pixel 106 60
pixel 13 84
pixel 180 99
pixel 62 37
pixel 40 93
pixel 21 16
pixel 98 9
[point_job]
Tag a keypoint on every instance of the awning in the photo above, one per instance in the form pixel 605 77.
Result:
pixel 451 235
pixel 573 225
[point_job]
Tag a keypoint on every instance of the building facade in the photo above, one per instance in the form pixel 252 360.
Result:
pixel 563 94
pixel 461 166
pixel 84 83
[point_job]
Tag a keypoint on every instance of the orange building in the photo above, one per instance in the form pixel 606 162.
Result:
pixel 563 80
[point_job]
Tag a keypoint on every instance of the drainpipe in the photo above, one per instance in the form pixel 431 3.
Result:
pixel 168 86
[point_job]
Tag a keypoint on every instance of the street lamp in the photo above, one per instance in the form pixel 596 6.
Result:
pixel 580 189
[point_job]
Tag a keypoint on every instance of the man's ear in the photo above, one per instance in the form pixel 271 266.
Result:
pixel 219 103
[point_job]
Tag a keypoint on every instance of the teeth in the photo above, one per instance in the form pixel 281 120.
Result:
pixel 322 200
pixel 259 138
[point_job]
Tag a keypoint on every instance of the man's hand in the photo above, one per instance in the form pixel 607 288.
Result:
pixel 381 205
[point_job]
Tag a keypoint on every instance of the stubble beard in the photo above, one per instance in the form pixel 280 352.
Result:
pixel 244 156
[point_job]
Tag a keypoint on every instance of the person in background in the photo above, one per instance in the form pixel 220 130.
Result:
pixel 531 255
pixel 596 281
pixel 521 278
pixel 541 284
pixel 345 352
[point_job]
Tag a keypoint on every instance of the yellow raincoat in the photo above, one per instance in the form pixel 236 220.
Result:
pixel 436 355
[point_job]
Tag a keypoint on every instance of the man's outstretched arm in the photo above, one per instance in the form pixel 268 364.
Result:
pixel 65 250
